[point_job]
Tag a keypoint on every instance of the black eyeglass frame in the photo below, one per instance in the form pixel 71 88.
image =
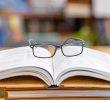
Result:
pixel 59 46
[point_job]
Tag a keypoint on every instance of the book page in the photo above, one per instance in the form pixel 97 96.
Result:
pixel 22 57
pixel 45 63
pixel 89 59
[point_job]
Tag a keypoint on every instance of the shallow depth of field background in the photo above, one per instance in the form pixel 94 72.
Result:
pixel 54 20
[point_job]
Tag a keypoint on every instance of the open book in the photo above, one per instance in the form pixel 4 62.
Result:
pixel 20 62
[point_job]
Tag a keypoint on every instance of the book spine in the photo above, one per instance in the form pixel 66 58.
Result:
pixel 55 87
pixel 1 34
pixel 15 26
pixel 107 29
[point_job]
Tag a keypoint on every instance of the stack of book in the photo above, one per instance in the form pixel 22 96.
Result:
pixel 27 87
pixel 23 76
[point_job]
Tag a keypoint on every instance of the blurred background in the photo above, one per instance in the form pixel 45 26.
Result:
pixel 54 20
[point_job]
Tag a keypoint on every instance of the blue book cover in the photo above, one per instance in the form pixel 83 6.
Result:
pixel 1 37
pixel 1 33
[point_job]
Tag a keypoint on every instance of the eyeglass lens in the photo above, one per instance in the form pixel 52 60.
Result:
pixel 72 47
pixel 44 50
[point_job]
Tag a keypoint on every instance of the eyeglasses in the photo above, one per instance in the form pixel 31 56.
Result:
pixel 71 47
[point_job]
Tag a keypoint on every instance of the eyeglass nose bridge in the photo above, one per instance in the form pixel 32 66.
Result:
pixel 58 46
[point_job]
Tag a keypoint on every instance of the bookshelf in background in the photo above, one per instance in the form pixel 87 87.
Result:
pixel 59 22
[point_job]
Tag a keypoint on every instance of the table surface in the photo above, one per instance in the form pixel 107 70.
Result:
pixel 102 48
